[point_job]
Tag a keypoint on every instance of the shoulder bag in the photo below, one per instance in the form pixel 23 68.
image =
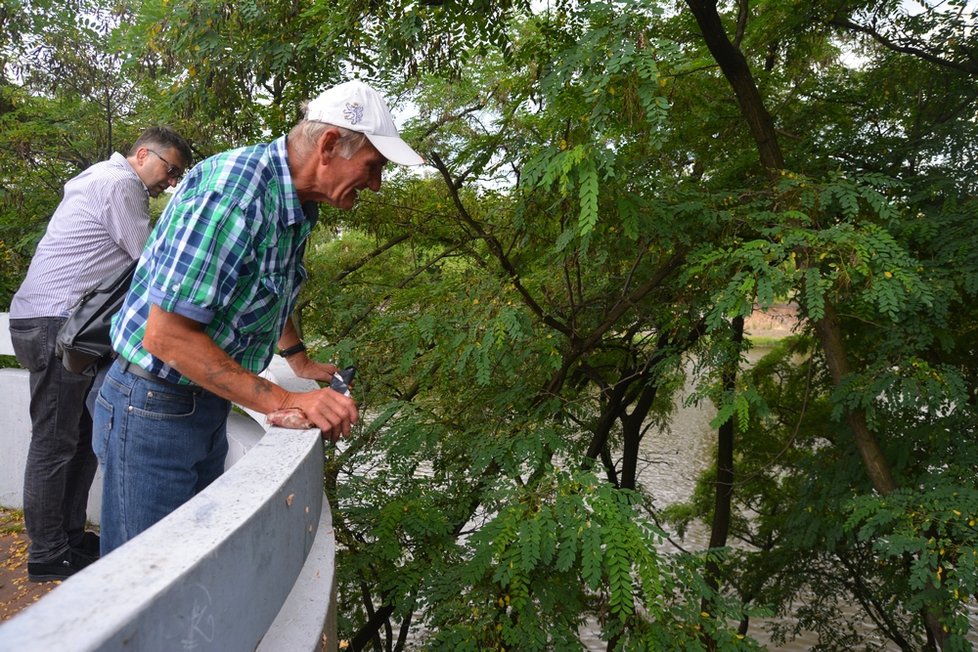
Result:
pixel 83 341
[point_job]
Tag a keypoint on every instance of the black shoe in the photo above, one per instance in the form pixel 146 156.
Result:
pixel 69 563
pixel 88 546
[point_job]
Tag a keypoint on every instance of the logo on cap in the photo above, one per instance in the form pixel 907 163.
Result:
pixel 353 112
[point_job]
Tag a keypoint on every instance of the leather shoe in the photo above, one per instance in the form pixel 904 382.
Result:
pixel 63 567
pixel 88 546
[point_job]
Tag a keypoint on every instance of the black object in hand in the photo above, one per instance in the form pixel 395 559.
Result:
pixel 342 379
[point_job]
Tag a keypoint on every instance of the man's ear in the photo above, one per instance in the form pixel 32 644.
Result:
pixel 140 155
pixel 327 145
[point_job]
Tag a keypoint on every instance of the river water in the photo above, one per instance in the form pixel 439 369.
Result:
pixel 673 458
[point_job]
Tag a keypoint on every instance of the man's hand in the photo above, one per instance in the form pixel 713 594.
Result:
pixel 329 410
pixel 304 367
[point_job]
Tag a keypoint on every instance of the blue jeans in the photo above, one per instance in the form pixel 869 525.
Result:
pixel 159 444
pixel 60 462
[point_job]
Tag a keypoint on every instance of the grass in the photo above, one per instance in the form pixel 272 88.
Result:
pixel 764 341
pixel 11 521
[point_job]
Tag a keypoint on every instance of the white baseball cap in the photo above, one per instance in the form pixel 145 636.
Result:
pixel 357 107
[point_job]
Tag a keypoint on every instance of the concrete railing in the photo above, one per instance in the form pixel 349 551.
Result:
pixel 246 564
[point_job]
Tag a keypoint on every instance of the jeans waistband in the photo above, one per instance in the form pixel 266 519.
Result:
pixel 136 370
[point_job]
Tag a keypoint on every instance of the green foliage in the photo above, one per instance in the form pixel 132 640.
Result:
pixel 496 331
pixel 614 103
pixel 934 525
pixel 66 101
pixel 815 527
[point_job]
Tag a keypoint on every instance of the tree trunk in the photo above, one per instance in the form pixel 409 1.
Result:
pixel 725 469
pixel 738 74
pixel 723 486
pixel 828 330
pixel 830 335
pixel 631 425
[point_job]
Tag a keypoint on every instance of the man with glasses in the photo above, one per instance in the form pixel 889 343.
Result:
pixel 100 226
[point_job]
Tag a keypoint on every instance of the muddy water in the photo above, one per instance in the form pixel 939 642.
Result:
pixel 672 461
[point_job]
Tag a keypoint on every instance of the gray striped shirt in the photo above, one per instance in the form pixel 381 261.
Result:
pixel 101 224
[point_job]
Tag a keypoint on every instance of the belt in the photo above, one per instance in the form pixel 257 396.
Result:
pixel 136 370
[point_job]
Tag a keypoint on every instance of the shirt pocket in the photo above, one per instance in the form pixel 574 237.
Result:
pixel 264 311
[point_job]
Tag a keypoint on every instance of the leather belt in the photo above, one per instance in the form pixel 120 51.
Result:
pixel 136 370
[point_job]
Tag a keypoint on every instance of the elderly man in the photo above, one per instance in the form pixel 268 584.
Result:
pixel 100 226
pixel 213 295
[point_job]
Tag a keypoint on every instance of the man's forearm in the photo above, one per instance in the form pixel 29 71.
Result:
pixel 182 344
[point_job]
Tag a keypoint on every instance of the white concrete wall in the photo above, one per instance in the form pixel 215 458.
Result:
pixel 246 565
pixel 6 347
pixel 15 433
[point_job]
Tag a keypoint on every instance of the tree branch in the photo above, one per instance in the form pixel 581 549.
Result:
pixel 968 68
pixel 497 251
pixel 370 256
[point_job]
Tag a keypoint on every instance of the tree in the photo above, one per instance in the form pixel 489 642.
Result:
pixel 869 242
pixel 834 237
pixel 67 100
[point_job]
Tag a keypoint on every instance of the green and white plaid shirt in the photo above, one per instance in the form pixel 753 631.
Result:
pixel 227 252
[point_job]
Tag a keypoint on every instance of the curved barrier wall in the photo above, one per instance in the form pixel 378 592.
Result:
pixel 246 564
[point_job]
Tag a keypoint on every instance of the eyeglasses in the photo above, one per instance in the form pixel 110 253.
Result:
pixel 172 171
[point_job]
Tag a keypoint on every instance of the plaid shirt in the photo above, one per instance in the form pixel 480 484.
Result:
pixel 227 252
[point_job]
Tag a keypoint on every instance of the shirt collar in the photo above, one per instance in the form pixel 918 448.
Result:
pixel 293 213
pixel 123 163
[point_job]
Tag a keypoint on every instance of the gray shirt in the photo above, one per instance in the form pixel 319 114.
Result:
pixel 100 226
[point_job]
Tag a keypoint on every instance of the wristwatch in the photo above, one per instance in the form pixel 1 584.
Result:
pixel 292 350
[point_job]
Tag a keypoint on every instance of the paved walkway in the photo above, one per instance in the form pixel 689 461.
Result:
pixel 16 591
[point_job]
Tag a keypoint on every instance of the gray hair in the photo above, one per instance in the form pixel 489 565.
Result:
pixel 307 133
